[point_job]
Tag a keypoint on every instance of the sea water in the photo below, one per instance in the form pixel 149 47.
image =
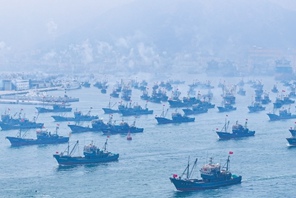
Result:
pixel 266 163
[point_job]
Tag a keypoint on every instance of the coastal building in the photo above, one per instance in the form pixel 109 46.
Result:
pixel 7 85
pixel 21 84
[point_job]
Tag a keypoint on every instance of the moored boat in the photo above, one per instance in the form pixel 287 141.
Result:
pixel 292 140
pixel 55 108
pixel 91 155
pixel 176 118
pixel 78 117
pixel 212 176
pixel 284 114
pixel 43 137
pixel 238 131
pixel 255 107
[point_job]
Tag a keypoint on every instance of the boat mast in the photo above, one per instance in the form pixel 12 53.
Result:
pixel 195 162
pixel 186 170
pixel 227 163
pixel 105 145
pixel 73 147
pixel 187 175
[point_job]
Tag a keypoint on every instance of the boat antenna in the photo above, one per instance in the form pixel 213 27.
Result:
pixel 105 145
pixel 246 123
pixel 57 127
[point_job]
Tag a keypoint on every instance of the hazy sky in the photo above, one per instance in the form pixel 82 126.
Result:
pixel 32 18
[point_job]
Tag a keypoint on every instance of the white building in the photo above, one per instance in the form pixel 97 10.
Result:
pixel 22 85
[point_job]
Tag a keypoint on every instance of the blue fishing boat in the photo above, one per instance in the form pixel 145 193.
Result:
pixel 135 110
pixel 255 107
pixel 43 137
pixel 284 114
pixel 196 109
pixel 274 89
pixel 78 117
pixel 176 118
pixel 226 107
pixel 91 155
pixel 238 131
pixel 9 123
pixel 96 126
pixel 122 128
pixel 292 140
pixel 109 109
pixel 212 176
pixel 241 91
pixel 55 108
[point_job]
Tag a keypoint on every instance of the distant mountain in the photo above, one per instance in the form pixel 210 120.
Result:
pixel 153 35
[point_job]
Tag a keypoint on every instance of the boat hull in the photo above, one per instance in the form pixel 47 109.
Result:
pixel 223 109
pixel 80 129
pixel 69 160
pixel 274 117
pixel 46 110
pixel 226 135
pixel 162 120
pixel 16 141
pixel 196 185
pixel 6 126
pixel 291 141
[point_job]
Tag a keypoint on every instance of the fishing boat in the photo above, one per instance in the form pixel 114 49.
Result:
pixel 212 176
pixel 226 107
pixel 43 137
pixel 241 91
pixel 255 107
pixel 9 123
pixel 292 140
pixel 55 108
pixel 91 155
pixel 176 118
pixel 195 109
pixel 238 131
pixel 109 109
pixel 78 117
pixel 135 110
pixel 96 126
pixel 274 89
pixel 284 114
pixel 122 128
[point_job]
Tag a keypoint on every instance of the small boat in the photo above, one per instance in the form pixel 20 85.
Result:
pixel 274 89
pixel 255 107
pixel 9 123
pixel 135 110
pixel 97 125
pixel 91 155
pixel 284 114
pixel 226 108
pixel 292 140
pixel 78 117
pixel 196 109
pixel 43 137
pixel 241 91
pixel 176 118
pixel 122 128
pixel 55 108
pixel 238 131
pixel 212 176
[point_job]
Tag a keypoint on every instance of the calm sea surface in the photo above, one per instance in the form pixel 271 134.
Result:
pixel 267 164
